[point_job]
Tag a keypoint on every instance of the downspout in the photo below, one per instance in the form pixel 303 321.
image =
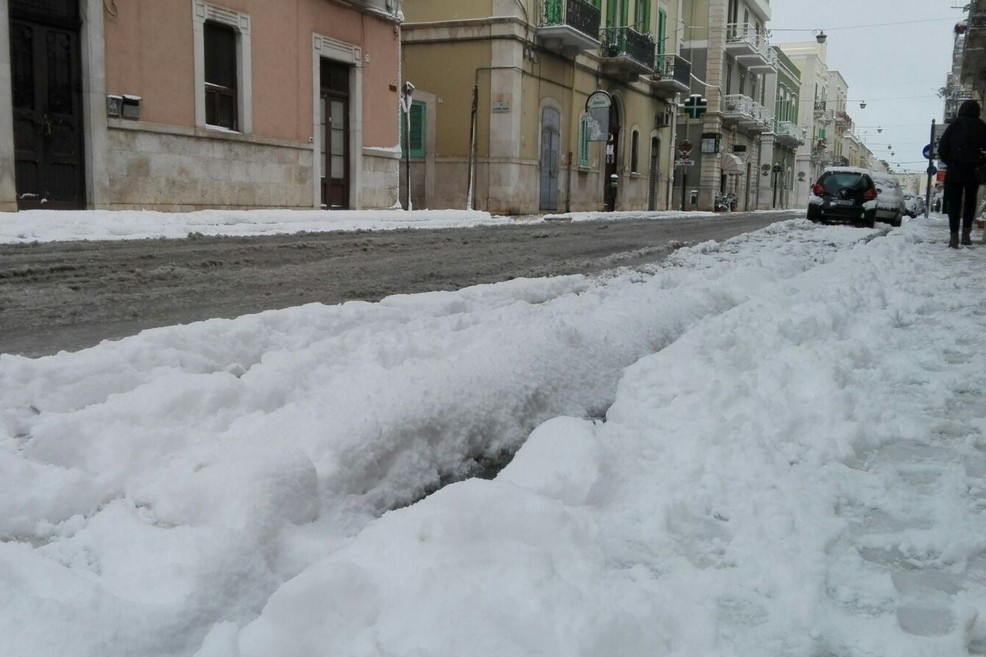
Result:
pixel 472 144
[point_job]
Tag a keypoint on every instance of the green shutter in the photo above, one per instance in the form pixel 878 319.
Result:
pixel 642 17
pixel 584 141
pixel 611 13
pixel 418 138
pixel 662 31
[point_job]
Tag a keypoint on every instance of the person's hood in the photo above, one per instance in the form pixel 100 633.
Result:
pixel 970 108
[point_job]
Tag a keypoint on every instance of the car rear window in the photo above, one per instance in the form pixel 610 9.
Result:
pixel 836 180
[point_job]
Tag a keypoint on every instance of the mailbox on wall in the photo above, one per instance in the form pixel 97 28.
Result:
pixel 131 107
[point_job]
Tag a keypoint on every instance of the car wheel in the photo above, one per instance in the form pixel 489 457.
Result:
pixel 869 221
pixel 898 220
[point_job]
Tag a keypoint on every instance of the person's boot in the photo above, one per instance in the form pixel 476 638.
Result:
pixel 967 238
pixel 953 241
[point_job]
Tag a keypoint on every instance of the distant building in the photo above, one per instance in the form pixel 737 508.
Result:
pixel 499 118
pixel 727 43
pixel 779 147
pixel 188 104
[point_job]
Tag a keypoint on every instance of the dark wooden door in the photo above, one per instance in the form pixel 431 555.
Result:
pixel 550 136
pixel 335 129
pixel 47 98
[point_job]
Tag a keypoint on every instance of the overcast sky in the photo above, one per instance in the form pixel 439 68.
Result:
pixel 894 54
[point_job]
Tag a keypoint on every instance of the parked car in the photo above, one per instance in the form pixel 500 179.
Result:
pixel 914 205
pixel 844 195
pixel 890 198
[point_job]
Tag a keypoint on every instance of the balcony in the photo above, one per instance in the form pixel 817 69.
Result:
pixel 843 121
pixel 627 53
pixel 750 48
pixel 746 112
pixel 974 53
pixel 672 75
pixel 569 26
pixel 819 108
pixel 789 134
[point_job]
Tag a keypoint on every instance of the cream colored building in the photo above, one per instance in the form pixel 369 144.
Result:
pixel 188 104
pixel 727 44
pixel 815 114
pixel 499 119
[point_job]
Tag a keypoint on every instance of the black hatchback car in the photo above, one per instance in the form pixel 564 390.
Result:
pixel 843 195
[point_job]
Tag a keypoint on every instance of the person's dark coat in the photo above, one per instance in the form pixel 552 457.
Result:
pixel 962 144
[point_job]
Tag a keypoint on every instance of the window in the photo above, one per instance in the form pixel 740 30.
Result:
pixel 617 13
pixel 416 145
pixel 221 41
pixel 634 152
pixel 584 141
pixel 662 31
pixel 642 16
pixel 220 76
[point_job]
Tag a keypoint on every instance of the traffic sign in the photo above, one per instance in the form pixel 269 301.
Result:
pixel 932 169
pixel 684 163
pixel 927 152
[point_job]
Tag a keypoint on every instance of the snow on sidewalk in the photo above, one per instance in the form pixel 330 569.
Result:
pixel 792 462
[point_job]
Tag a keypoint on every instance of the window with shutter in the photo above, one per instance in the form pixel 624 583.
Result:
pixel 584 141
pixel 414 145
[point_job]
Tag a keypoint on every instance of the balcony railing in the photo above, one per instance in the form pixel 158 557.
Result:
pixel 672 74
pixel 570 25
pixel 747 112
pixel 750 47
pixel 790 132
pixel 627 43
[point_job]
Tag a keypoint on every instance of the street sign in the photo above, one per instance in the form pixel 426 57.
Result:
pixel 695 106
pixel 597 107
pixel 684 163
pixel 932 169
pixel 927 152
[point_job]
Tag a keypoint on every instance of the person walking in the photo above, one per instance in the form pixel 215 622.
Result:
pixel 961 149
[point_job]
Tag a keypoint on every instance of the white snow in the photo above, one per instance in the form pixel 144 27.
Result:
pixel 764 447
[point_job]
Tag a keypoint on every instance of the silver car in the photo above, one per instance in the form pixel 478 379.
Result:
pixel 890 206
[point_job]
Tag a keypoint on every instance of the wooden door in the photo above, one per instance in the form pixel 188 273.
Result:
pixel 335 129
pixel 46 83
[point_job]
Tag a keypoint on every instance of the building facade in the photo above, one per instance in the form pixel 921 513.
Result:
pixel 726 42
pixel 779 147
pixel 501 118
pixel 188 104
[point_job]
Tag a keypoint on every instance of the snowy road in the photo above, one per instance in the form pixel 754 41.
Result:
pixel 72 294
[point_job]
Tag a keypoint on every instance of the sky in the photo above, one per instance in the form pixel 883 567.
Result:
pixel 895 55
pixel 772 445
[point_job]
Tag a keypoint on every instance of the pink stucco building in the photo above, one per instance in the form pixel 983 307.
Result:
pixel 188 104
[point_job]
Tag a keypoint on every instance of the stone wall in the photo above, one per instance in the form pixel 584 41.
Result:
pixel 178 169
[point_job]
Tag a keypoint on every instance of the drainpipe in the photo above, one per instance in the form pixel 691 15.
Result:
pixel 472 144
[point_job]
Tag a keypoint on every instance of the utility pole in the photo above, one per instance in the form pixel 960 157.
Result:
pixel 931 169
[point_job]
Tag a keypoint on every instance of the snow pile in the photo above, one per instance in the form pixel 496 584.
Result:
pixel 769 446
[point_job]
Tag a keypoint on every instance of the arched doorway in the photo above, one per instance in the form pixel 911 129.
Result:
pixel 613 154
pixel 655 173
pixel 550 148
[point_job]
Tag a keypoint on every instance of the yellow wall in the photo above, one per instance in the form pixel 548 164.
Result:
pixel 416 11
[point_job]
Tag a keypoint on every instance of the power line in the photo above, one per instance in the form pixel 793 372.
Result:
pixel 859 27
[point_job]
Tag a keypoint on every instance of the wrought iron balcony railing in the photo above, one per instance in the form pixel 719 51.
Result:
pixel 578 14
pixel 787 130
pixel 673 68
pixel 627 42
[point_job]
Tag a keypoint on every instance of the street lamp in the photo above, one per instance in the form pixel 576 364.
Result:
pixel 862 104
pixel 820 35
